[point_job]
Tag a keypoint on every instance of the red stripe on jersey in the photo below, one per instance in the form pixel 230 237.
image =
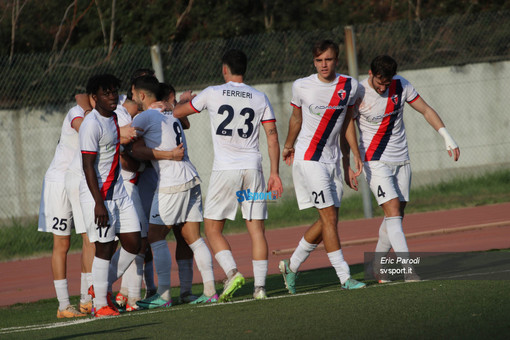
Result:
pixel 323 124
pixel 193 107
pixel 390 107
pixel 135 179
pixel 297 107
pixel 269 121
pixel 90 152
pixel 415 98
pixel 108 185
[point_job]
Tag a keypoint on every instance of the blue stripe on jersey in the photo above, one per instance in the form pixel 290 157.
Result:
pixel 332 122
pixel 389 131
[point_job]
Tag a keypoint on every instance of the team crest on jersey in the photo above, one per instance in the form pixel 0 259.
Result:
pixel 342 94
pixel 394 99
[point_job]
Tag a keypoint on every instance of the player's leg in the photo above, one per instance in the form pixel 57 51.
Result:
pixel 147 185
pixel 184 259
pixel 163 263
pixel 131 285
pixel 59 267
pixel 203 258
pixel 87 257
pixel 55 216
pixel 256 231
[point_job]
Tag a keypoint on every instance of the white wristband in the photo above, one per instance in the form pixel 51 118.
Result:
pixel 448 139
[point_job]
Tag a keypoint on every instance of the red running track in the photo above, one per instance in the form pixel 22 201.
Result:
pixel 31 280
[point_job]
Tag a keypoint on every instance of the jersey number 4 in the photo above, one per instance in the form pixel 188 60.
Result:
pixel 222 128
pixel 380 192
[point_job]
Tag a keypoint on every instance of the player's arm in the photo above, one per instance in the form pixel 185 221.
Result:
pixel 184 108
pixel 100 212
pixel 128 133
pixel 348 143
pixel 142 152
pixel 274 183
pixel 127 162
pixel 435 121
pixel 295 122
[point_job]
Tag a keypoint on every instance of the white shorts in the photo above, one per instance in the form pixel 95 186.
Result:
pixel 122 219
pixel 176 208
pixel 133 193
pixel 55 213
pixel 73 193
pixel 222 197
pixel 317 184
pixel 388 181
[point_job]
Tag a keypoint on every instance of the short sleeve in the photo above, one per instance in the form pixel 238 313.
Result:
pixel 410 93
pixel 296 99
pixel 90 133
pixel 268 114
pixel 199 103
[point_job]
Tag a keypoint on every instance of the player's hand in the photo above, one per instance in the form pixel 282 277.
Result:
pixel 187 96
pixel 100 215
pixel 455 153
pixel 274 185
pixel 288 155
pixel 351 179
pixel 83 101
pixel 158 106
pixel 128 134
pixel 451 146
pixel 178 153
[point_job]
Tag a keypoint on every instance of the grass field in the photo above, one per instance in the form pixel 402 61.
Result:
pixel 457 309
pixel 21 239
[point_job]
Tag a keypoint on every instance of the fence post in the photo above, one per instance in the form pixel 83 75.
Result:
pixel 157 63
pixel 352 62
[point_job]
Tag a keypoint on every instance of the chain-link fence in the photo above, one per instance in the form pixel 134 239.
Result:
pixel 459 64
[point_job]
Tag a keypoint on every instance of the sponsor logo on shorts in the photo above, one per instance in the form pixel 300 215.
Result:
pixel 247 195
pixel 154 216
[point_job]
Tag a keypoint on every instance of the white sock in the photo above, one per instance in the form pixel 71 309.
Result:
pixel 341 267
pixel 118 266
pixel 185 275
pixel 227 262
pixel 259 272
pixel 62 293
pixel 84 288
pixel 90 281
pixel 300 255
pixel 148 275
pixel 396 235
pixel 383 243
pixel 135 274
pixel 100 281
pixel 163 262
pixel 203 259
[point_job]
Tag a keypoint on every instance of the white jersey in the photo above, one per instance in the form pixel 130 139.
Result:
pixel 324 106
pixel 381 122
pixel 236 111
pixel 68 145
pixel 124 119
pixel 162 131
pixel 101 136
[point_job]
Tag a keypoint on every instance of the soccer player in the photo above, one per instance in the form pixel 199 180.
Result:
pixel 383 146
pixel 236 111
pixel 178 199
pixel 56 216
pixel 322 111
pixel 107 209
